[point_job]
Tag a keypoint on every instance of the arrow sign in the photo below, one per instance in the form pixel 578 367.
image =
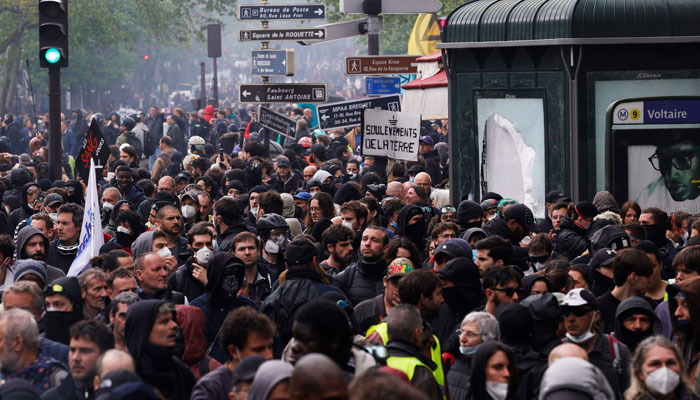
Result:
pixel 281 12
pixel 272 62
pixel 349 113
pixel 268 35
pixel 342 30
pixel 277 122
pixel 394 6
pixel 379 85
pixel 380 65
pixel 274 93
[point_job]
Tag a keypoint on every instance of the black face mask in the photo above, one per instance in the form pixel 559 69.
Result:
pixel 684 325
pixel 453 297
pixel 298 212
pixel 227 292
pixel 327 187
pixel 656 233
pixel 469 225
pixel 125 239
pixel 633 338
pixel 416 234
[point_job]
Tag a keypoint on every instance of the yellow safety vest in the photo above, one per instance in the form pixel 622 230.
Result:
pixel 435 353
pixel 405 364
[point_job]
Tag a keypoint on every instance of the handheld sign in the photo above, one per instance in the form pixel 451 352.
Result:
pixel 94 147
pixel 390 134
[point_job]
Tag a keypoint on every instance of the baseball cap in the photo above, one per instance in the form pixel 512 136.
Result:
pixel 556 196
pixel 52 199
pixel 284 163
pixel 488 204
pixel 399 267
pixel 523 215
pixel 303 196
pixel 246 369
pixel 454 248
pixel 427 140
pixel 604 256
pixel 579 297
pixel 300 251
pixel 190 196
pixel 585 209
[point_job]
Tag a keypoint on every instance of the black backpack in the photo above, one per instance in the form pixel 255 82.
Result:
pixel 134 142
pixel 149 145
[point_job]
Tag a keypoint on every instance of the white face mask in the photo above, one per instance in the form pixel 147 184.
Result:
pixel 497 390
pixel 585 336
pixel 53 216
pixel 108 206
pixel 123 229
pixel 539 266
pixel 468 350
pixel 188 211
pixel 254 211
pixel 347 224
pixel 203 256
pixel 164 252
pixel 662 381
pixel 215 245
pixel 272 247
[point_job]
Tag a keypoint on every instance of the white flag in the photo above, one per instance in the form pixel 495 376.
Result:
pixel 91 237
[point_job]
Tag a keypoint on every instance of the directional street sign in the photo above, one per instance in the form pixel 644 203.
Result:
pixel 379 85
pixel 276 122
pixel 349 113
pixel 380 65
pixel 272 62
pixel 259 93
pixel 393 6
pixel 266 35
pixel 342 30
pixel 281 12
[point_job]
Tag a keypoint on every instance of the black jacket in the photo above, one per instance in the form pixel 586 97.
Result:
pixel 225 239
pixel 423 378
pixel 155 126
pixel 21 213
pixel 183 281
pixel 458 377
pixel 61 259
pixel 571 242
pixel 68 390
pixel 432 166
pixel 361 280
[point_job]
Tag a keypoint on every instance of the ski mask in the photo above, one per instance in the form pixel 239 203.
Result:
pixel 416 231
pixel 657 234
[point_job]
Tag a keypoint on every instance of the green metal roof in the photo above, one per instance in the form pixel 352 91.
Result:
pixel 510 20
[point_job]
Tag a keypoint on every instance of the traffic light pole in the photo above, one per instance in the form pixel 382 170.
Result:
pixel 55 124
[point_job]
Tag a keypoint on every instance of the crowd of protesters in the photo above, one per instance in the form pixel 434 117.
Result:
pixel 303 270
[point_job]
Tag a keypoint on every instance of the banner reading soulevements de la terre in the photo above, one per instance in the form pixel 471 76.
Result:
pixel 390 134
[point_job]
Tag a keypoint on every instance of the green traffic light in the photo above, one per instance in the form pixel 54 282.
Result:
pixel 52 56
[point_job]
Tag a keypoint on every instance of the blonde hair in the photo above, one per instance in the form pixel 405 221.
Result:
pixel 638 389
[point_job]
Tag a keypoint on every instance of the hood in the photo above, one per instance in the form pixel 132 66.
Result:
pixel 515 323
pixel 192 321
pixel 606 235
pixel 529 281
pixel 465 275
pixel 217 269
pixel 322 175
pixel 415 232
pixel 139 321
pixel 467 210
pixel 546 315
pixel 634 304
pixel 269 374
pixel 19 177
pixel 605 201
pixel 577 374
pixel 115 210
pixel 23 235
pixel 25 189
pixel 24 267
pixel 142 244
pixel 287 205
pixel 317 230
pixel 346 192
pixel 77 197
pixel 209 110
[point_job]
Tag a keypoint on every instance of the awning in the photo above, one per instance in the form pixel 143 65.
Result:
pixel 427 96
pixel 437 80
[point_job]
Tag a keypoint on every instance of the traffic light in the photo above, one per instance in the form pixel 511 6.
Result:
pixel 53 33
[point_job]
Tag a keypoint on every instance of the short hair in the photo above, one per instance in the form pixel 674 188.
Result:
pixel 228 209
pixel 329 321
pixel 271 202
pixel 402 322
pixel 385 238
pixel 500 276
pixel 7 245
pixel 166 140
pixel 627 261
pixel 442 227
pixel 254 148
pixel 110 262
pixel 30 288
pixel 75 209
pixel 648 247
pixel 166 206
pixel 498 248
pixel 240 323
pixel 487 323
pixel 689 258
pixel 560 205
pixel 390 206
pixel 416 283
pixel 245 237
pixel 90 274
pixel 119 354
pixel 20 322
pixel 355 207
pixel 119 273
pixel 39 217
pixel 637 231
pixel 147 186
pixel 140 262
pixel 540 242
pixel 127 298
pixel 95 331
pixel 197 229
pixel 337 233
pixel 660 217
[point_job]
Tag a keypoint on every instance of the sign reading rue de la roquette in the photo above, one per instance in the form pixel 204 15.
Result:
pixel 269 35
pixel 270 93
pixel 349 113
pixel 281 12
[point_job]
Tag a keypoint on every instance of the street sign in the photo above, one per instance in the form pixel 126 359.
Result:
pixel 380 65
pixel 393 6
pixel 281 12
pixel 342 30
pixel 259 93
pixel 349 113
pixel 267 35
pixel 379 85
pixel 272 62
pixel 276 122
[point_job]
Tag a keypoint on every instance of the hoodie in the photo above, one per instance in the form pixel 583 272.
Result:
pixel 605 201
pixel 156 365
pixel 546 315
pixel 416 232
pixel 24 234
pixel 630 306
pixel 578 375
pixel 190 319
pixel 477 379
pixel 77 196
pixel 23 212
pixel 57 323
pixel 268 375
pixel 347 192
pixel 143 244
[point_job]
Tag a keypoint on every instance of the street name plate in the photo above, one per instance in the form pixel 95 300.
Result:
pixel 258 93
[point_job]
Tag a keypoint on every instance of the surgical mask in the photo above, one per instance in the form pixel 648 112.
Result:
pixel 497 390
pixel 684 236
pixel 272 247
pixel 474 255
pixel 108 206
pixel 662 381
pixel 492 216
pixel 353 176
pixel 53 216
pixel 188 211
pixel 203 256
pixel 539 266
pixel 468 350
pixel 215 245
pixel 254 211
pixel 164 252
pixel 585 336
pixel 52 309
pixel 394 225
pixel 347 224
pixel 412 179
pixel 123 229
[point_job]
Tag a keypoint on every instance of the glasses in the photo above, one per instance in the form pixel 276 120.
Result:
pixel 578 311
pixel 680 161
pixel 444 210
pixel 509 291
pixel 540 259
pixel 470 335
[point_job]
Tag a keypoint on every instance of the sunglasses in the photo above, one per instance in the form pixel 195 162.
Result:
pixel 539 259
pixel 578 311
pixel 509 292
pixel 448 209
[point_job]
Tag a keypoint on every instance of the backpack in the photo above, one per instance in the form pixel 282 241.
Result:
pixel 149 145
pixel 134 142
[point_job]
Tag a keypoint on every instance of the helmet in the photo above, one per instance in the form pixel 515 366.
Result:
pixel 197 142
pixel 272 221
pixel 128 123
pixel 305 142
pixel 98 117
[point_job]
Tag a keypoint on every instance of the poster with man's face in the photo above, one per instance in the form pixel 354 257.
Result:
pixel 665 173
